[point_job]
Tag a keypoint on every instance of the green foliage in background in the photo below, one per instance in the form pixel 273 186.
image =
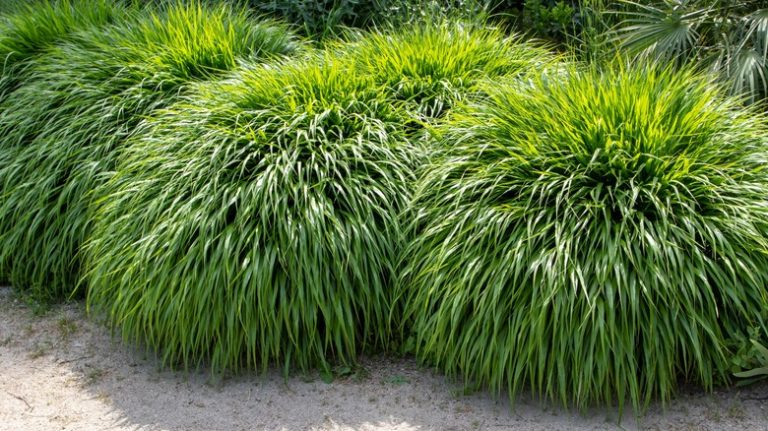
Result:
pixel 726 37
pixel 400 14
pixel 760 371
pixel 325 19
pixel 60 132
pixel 256 221
pixel 748 361
pixel 320 19
pixel 547 18
pixel 430 66
pixel 592 237
pixel 576 27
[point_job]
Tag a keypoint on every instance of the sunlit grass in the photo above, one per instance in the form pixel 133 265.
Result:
pixel 30 28
pixel 429 66
pixel 595 239
pixel 61 131
pixel 256 221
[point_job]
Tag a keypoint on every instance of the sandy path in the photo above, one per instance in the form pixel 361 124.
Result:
pixel 63 372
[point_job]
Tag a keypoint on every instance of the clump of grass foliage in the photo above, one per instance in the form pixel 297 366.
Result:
pixel 60 133
pixel 593 239
pixel 8 7
pixel 429 66
pixel 30 28
pixel 256 221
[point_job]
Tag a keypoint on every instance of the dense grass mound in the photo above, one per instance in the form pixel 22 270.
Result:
pixel 429 66
pixel 257 222
pixel 60 133
pixel 34 26
pixel 592 239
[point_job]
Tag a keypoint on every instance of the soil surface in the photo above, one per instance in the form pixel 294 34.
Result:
pixel 62 371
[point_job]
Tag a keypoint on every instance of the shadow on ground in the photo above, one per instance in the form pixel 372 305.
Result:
pixel 61 371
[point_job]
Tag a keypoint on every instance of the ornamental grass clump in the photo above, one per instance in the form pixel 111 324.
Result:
pixel 256 222
pixel 31 28
pixel 61 132
pixel 594 239
pixel 429 66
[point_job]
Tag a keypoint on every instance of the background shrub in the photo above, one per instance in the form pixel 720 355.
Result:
pixel 404 13
pixel 727 38
pixel 320 19
pixel 331 18
pixel 592 238
pixel 551 19
pixel 60 133
pixel 257 221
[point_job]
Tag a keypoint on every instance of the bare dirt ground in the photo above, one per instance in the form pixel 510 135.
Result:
pixel 61 371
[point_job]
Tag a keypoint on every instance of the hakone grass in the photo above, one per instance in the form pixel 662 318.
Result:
pixel 429 66
pixel 61 132
pixel 255 222
pixel 7 7
pixel 28 29
pixel 594 239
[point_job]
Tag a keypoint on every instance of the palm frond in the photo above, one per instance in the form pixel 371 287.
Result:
pixel 666 32
pixel 727 39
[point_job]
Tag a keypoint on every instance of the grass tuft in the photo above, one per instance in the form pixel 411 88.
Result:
pixel 31 28
pixel 429 66
pixel 594 239
pixel 61 132
pixel 256 221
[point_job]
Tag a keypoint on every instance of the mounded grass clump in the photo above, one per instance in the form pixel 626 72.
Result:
pixel 32 27
pixel 257 221
pixel 427 67
pixel 61 132
pixel 592 239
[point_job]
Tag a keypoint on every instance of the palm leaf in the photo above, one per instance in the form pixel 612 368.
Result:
pixel 669 32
